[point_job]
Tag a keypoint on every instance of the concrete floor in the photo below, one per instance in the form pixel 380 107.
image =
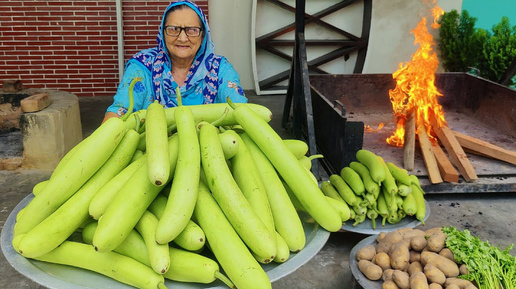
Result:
pixel 489 216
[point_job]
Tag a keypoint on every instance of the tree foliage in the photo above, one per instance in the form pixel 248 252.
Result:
pixel 498 51
pixel 464 48
pixel 459 43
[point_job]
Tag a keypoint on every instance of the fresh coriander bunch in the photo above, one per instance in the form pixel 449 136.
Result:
pixel 488 265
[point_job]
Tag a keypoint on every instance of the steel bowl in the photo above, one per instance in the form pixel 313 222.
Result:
pixel 353 265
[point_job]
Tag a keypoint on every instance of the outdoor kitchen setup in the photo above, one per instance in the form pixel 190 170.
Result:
pixel 466 139
pixel 473 107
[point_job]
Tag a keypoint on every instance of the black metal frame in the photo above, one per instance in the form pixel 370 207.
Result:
pixel 298 93
pixel 350 45
pixel 338 139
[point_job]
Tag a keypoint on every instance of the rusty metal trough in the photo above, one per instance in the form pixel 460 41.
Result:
pixel 344 104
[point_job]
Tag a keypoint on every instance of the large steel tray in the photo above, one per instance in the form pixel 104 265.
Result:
pixel 65 277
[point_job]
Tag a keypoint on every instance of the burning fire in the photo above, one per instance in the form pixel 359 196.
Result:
pixel 415 90
pixel 368 128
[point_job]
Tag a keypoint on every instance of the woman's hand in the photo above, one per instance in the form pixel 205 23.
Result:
pixel 109 114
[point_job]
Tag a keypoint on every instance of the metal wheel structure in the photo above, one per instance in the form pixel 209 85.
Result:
pixel 341 43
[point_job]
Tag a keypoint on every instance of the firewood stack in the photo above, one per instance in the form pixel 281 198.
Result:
pixel 448 163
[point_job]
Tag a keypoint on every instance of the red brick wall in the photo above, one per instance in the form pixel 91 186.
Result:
pixel 72 45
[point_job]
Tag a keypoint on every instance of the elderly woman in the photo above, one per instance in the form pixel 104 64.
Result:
pixel 184 58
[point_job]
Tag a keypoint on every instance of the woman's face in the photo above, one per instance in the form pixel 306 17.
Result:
pixel 183 47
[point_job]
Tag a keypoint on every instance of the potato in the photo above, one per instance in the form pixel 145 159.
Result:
pixel 409 234
pixel 436 241
pixel 461 283
pixel 401 279
pixel 383 260
pixel 380 236
pixel 447 253
pixel 387 274
pixel 386 242
pixel 447 266
pixel 452 286
pixel 400 256
pixel 470 286
pixel 418 281
pixel 404 231
pixel 414 256
pixel 403 242
pixel 389 284
pixel 463 269
pixel 434 286
pixel 434 230
pixel 371 271
pixel 418 243
pixel 366 253
pixel 434 275
pixel 414 267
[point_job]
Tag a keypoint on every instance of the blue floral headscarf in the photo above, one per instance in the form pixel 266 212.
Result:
pixel 205 65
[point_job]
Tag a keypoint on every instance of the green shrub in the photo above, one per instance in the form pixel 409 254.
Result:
pixel 464 48
pixel 498 51
pixel 459 42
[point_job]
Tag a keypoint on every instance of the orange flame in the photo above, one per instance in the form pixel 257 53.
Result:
pixel 368 128
pixel 415 90
pixel 436 14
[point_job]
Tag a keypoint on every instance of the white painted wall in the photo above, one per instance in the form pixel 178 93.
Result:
pixel 230 23
pixel 390 43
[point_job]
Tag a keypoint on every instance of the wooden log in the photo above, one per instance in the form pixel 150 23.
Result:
pixel 484 148
pixel 428 156
pixel 409 142
pixel 448 172
pixel 35 102
pixel 457 155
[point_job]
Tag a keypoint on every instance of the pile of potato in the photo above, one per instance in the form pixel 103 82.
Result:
pixel 412 258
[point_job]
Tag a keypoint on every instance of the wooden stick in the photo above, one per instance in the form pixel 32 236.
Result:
pixel 468 151
pixel 456 153
pixel 409 142
pixel 484 148
pixel 448 172
pixel 426 149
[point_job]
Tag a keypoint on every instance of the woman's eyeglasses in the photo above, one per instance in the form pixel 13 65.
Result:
pixel 174 31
